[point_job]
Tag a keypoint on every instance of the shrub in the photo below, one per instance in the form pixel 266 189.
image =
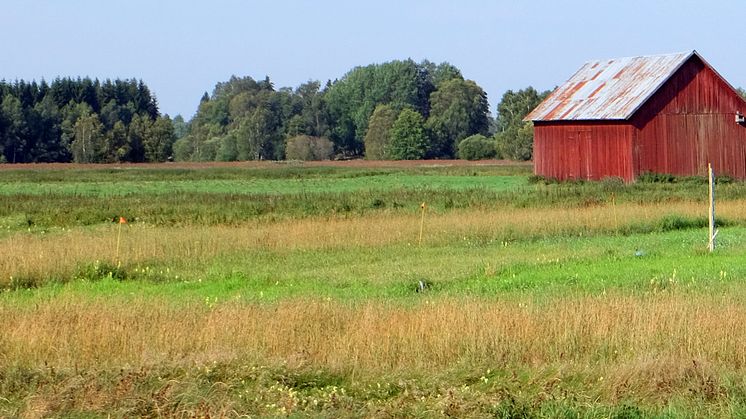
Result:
pixel 477 147
pixel 650 177
pixel 612 184
pixel 672 222
pixel 304 147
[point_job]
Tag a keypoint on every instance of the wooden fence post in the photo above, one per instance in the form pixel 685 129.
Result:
pixel 711 214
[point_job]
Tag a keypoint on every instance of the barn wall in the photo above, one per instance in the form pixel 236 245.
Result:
pixel 689 122
pixel 583 150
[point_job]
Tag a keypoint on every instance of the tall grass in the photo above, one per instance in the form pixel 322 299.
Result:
pixel 505 323
pixel 36 258
pixel 45 198
pixel 649 349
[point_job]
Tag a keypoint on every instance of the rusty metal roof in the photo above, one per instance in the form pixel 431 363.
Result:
pixel 609 89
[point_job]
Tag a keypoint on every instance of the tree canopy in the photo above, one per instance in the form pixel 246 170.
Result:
pixel 81 120
pixel 399 109
pixel 397 84
pixel 408 138
pixel 459 110
pixel 246 119
pixel 378 137
pixel 515 137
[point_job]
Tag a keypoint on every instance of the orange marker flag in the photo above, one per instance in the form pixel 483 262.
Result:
pixel 122 220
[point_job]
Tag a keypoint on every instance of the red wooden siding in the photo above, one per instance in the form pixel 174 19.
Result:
pixel 583 150
pixel 681 127
pixel 689 122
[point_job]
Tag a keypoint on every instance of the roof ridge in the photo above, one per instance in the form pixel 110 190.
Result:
pixel 630 57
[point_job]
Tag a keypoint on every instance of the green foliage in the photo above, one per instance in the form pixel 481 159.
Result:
pixel 398 84
pixel 98 270
pixel 741 92
pixel 514 106
pixel 378 137
pixel 650 177
pixel 14 129
pixel 459 108
pixel 243 118
pixel 115 147
pixel 254 116
pixel 672 222
pixel 353 99
pixel 180 127
pixel 228 150
pixel 184 149
pixel 87 146
pixel 253 135
pixel 80 120
pixel 159 139
pixel 439 73
pixel 477 147
pixel 408 138
pixel 313 118
pixel 304 147
pixel 514 136
pixel 517 142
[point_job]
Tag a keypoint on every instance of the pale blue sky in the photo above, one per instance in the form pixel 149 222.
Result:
pixel 181 49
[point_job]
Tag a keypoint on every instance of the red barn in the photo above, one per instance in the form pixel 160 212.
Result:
pixel 623 117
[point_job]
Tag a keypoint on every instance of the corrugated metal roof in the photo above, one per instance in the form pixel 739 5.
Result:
pixel 609 89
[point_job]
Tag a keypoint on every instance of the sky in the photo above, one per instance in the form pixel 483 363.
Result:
pixel 182 49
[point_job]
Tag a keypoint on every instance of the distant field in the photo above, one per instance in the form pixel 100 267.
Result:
pixel 322 290
pixel 348 164
pixel 315 183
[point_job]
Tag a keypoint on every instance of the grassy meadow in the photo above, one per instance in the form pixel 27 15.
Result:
pixel 312 290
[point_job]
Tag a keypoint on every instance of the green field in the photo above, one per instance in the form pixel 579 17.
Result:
pixel 282 290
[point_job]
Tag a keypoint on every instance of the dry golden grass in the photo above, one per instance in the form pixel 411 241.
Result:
pixel 59 252
pixel 630 338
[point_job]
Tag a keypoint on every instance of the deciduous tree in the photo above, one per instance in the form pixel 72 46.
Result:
pixel 378 137
pixel 515 137
pixel 409 140
pixel 458 109
pixel 158 142
pixel 88 138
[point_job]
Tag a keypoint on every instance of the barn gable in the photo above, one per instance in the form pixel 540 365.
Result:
pixel 623 117
pixel 689 123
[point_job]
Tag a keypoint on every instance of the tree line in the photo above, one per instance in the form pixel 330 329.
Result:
pixel 393 110
pixel 82 120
